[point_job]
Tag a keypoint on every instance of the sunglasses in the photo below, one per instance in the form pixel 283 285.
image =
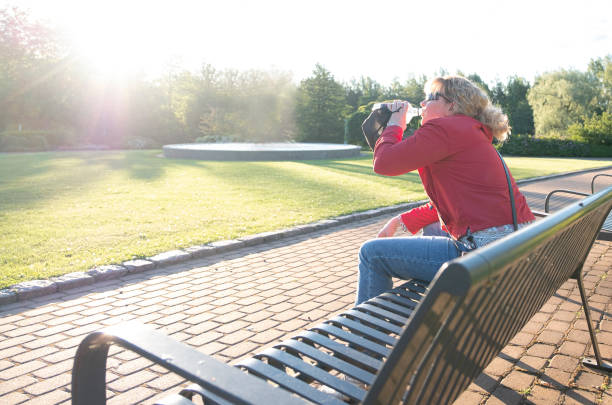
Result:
pixel 434 97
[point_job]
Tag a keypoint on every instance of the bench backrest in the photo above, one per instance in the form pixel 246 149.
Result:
pixel 477 303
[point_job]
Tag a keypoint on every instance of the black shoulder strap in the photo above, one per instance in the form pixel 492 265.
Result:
pixel 514 222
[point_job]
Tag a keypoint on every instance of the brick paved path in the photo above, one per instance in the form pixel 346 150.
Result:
pixel 235 304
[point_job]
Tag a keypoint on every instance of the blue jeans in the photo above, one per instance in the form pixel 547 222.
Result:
pixel 417 257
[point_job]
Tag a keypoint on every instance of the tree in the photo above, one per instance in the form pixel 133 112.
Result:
pixel 561 98
pixel 512 98
pixel 601 68
pixel 30 67
pixel 596 129
pixel 476 79
pixel 252 105
pixel 320 108
pixel 411 90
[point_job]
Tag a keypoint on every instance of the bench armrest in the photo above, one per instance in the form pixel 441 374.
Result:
pixel 547 200
pixel 236 386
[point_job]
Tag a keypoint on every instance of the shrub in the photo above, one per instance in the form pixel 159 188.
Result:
pixel 217 139
pixel 526 145
pixel 29 143
pixel 33 141
pixel 596 130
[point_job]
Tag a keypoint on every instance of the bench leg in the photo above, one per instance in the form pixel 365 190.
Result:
pixel 598 363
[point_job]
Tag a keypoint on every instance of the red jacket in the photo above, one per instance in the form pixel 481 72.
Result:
pixel 460 171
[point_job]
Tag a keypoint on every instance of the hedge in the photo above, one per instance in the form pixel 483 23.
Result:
pixel 33 141
pixel 528 145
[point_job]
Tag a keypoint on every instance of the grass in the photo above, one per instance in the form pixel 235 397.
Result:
pixel 71 211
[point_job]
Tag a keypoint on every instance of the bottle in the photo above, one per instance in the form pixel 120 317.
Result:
pixel 411 111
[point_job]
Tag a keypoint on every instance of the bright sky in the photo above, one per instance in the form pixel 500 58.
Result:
pixel 351 38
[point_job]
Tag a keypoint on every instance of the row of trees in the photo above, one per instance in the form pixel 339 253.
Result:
pixel 49 97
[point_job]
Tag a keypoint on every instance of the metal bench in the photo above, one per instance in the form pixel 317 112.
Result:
pixel 414 344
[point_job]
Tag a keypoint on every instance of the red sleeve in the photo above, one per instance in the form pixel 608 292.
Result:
pixel 418 217
pixel 394 156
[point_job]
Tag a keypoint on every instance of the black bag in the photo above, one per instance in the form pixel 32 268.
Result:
pixel 375 124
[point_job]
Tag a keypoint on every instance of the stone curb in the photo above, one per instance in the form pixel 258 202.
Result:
pixel 38 288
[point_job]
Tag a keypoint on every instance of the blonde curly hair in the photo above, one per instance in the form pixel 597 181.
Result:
pixel 470 100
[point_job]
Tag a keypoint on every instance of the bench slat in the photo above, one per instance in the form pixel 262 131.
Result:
pixel 355 341
pixel 384 314
pixel 263 370
pixel 345 353
pixel 327 360
pixel 390 306
pixel 361 329
pixel 312 372
pixel 382 324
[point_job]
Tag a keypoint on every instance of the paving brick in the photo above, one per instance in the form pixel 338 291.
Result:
pixel 15 383
pixel 541 350
pixel 577 396
pixel 31 355
pixel 504 395
pixel 469 398
pixel 204 338
pixel 565 363
pixel 23 330
pixel 236 337
pixel 522 339
pixel 573 349
pixel 13 398
pixel 22 369
pixel 550 337
pixel 518 380
pixel 532 364
pixel 135 380
pixel 579 336
pixel 238 350
pixel 588 380
pixel 565 316
pixel 12 342
pixel 132 366
pixel 52 371
pixel 166 382
pixel 134 396
pixel 267 336
pixel 49 384
pixel 554 378
pixel 498 367
pixel 544 395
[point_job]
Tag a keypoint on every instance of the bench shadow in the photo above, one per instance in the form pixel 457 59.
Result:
pixel 510 396
pixel 604 313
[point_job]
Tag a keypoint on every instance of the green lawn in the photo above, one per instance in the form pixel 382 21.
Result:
pixel 70 211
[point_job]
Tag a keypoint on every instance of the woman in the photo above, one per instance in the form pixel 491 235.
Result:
pixel 462 175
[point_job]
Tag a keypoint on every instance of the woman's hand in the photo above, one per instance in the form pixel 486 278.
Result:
pixel 399 113
pixel 390 227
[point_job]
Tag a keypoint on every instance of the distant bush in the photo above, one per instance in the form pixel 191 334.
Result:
pixel 217 139
pixel 33 141
pixel 140 142
pixel 596 130
pixel 527 145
